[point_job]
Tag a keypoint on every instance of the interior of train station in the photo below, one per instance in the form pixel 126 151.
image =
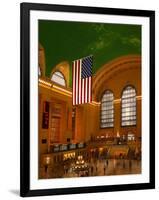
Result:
pixel 102 137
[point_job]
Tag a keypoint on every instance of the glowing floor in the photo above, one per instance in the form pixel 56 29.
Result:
pixel 96 168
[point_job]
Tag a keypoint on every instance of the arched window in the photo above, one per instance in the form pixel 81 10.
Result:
pixel 128 106
pixel 58 78
pixel 107 110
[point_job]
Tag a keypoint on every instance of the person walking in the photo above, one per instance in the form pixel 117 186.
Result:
pixel 96 169
pixel 91 170
pixel 130 164
pixel 104 169
pixel 107 162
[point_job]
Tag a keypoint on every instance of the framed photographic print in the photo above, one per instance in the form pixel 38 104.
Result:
pixel 87 99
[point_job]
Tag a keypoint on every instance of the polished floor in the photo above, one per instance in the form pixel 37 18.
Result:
pixel 96 168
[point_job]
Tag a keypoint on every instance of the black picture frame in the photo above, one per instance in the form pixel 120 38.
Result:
pixel 25 9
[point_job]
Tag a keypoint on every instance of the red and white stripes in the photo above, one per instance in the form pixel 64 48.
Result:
pixel 81 87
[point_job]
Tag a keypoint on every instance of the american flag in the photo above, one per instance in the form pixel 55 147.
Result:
pixel 82 80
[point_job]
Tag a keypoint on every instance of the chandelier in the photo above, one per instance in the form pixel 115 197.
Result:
pixel 80 165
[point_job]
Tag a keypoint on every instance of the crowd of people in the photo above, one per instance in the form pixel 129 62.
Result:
pixel 99 163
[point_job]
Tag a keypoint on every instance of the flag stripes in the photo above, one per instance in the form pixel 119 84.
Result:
pixel 82 80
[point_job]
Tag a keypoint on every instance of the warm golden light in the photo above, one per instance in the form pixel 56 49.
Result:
pixel 95 103
pixel 44 82
pixel 54 88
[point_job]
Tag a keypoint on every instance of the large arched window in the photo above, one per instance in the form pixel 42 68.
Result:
pixel 107 110
pixel 58 78
pixel 128 106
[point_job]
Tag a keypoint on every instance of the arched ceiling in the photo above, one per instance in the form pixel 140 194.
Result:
pixel 111 69
pixel 72 40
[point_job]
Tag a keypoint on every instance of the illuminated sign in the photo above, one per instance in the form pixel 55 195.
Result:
pixel 72 146
pixel 63 147
pixel 56 148
pixel 80 145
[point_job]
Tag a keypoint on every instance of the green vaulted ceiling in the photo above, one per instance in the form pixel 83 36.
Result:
pixel 68 41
